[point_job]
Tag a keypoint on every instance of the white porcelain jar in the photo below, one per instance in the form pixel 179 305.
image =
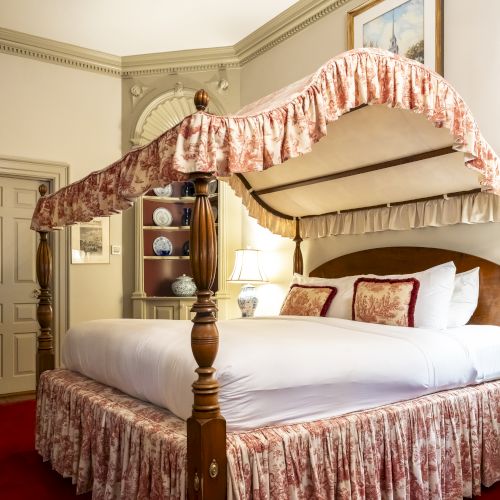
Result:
pixel 184 286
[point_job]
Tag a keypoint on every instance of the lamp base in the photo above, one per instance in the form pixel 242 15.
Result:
pixel 247 300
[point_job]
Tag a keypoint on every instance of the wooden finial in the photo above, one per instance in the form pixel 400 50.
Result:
pixel 201 100
pixel 42 189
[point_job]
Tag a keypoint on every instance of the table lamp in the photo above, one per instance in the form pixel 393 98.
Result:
pixel 247 270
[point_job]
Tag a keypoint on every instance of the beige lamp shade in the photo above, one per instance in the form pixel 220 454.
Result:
pixel 247 267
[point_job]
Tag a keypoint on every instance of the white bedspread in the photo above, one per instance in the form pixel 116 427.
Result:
pixel 284 369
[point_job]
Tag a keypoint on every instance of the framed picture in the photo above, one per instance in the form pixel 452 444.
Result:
pixel 411 28
pixel 90 242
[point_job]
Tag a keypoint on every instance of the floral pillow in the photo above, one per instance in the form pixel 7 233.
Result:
pixel 385 301
pixel 308 300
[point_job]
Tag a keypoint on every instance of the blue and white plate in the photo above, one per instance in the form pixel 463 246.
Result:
pixel 162 217
pixel 162 246
pixel 164 191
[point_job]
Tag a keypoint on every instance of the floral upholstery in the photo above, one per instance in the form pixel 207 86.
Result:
pixel 385 301
pixel 308 300
pixel 442 445
pixel 273 130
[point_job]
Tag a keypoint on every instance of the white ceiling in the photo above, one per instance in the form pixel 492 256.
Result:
pixel 126 27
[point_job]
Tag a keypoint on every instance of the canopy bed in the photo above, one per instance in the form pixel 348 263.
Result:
pixel 369 142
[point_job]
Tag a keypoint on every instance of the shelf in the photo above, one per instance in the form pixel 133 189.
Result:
pixel 166 257
pixel 181 199
pixel 176 297
pixel 168 228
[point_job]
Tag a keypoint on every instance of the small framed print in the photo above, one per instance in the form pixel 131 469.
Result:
pixel 411 28
pixel 90 242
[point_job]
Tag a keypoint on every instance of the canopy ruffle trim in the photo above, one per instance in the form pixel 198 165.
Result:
pixel 471 208
pixel 281 126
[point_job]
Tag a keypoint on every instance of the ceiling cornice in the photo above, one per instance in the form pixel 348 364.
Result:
pixel 180 60
pixel 65 54
pixel 285 25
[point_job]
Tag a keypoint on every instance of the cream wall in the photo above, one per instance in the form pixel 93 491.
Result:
pixel 62 114
pixel 471 54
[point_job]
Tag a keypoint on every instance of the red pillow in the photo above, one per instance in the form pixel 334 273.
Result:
pixel 385 301
pixel 305 300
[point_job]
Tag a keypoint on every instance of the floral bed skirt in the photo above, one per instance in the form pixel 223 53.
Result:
pixel 439 446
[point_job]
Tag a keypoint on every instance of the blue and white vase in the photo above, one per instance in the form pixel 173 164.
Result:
pixel 247 300
pixel 187 189
pixel 184 286
pixel 186 216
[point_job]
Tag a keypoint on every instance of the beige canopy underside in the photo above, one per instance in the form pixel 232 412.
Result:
pixel 364 137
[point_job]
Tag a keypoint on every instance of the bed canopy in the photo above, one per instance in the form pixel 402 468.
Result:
pixel 375 166
pixel 347 157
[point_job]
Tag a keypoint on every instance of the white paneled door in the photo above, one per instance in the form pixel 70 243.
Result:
pixel 18 285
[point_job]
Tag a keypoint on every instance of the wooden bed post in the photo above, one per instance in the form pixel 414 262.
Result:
pixel 298 263
pixel 206 428
pixel 45 346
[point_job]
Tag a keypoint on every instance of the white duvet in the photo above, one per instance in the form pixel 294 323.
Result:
pixel 284 369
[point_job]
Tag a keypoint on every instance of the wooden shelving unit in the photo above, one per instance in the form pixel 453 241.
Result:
pixel 154 274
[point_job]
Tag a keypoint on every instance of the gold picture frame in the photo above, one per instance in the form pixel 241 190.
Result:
pixel 376 13
pixel 90 242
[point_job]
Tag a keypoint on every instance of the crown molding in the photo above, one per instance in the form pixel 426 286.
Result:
pixel 290 22
pixel 65 54
pixel 180 60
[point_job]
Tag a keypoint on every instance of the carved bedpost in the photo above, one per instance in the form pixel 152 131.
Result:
pixel 206 428
pixel 45 346
pixel 298 263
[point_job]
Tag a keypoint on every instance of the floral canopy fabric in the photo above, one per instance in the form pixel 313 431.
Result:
pixel 277 128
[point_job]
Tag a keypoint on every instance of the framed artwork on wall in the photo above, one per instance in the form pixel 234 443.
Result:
pixel 411 28
pixel 90 242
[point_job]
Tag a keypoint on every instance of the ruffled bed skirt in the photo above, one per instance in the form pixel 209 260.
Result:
pixel 439 446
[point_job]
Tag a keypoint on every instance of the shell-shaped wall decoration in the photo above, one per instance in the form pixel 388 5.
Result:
pixel 165 112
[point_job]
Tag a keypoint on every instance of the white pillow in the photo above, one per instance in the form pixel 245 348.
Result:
pixel 464 299
pixel 341 306
pixel 433 300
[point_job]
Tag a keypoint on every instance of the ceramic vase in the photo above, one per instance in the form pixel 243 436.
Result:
pixel 184 286
pixel 187 189
pixel 186 216
pixel 247 300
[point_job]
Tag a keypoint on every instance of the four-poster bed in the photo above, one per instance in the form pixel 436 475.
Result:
pixel 376 167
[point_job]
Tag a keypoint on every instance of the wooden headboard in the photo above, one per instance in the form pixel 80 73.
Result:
pixel 405 260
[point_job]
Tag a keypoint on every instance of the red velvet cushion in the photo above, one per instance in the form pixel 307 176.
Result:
pixel 305 300
pixel 385 301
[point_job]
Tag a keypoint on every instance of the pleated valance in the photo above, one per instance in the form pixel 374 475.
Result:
pixel 472 208
pixel 280 127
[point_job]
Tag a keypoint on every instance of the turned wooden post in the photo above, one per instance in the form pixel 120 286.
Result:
pixel 206 428
pixel 45 346
pixel 298 262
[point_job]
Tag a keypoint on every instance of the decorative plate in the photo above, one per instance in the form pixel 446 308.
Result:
pixel 212 187
pixel 215 212
pixel 162 217
pixel 163 191
pixel 162 246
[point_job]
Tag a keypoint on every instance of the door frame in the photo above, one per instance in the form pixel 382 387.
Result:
pixel 56 174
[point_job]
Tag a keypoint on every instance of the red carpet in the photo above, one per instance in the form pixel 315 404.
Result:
pixel 23 475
